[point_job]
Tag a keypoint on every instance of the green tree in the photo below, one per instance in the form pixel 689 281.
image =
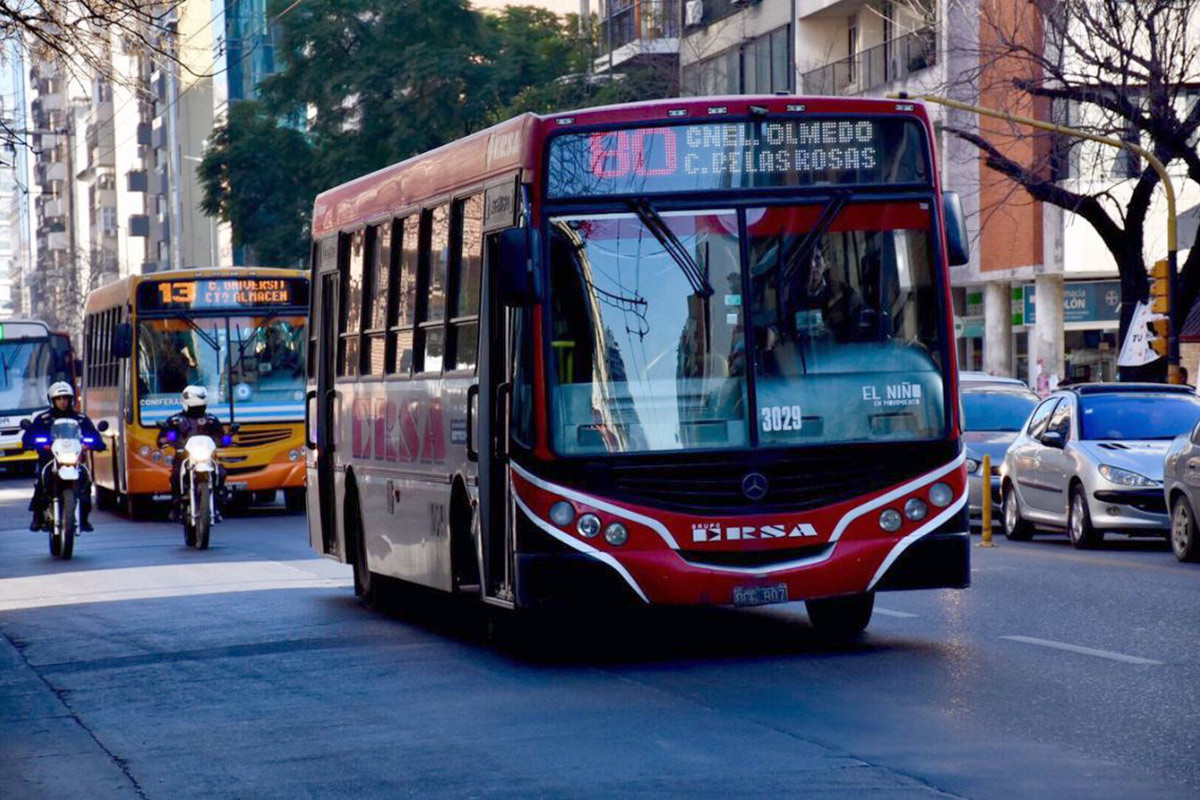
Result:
pixel 258 175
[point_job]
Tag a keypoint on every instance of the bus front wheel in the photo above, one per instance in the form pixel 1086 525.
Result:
pixel 841 616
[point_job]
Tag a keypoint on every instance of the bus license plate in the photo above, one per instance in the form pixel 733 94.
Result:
pixel 760 595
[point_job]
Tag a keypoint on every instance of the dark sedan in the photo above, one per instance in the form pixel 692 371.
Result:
pixel 994 410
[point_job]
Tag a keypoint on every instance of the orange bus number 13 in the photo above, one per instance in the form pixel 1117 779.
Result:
pixel 177 292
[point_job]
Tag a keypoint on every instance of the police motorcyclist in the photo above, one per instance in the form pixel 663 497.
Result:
pixel 178 428
pixel 62 406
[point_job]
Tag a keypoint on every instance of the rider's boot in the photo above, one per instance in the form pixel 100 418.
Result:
pixel 85 524
pixel 36 524
pixel 176 510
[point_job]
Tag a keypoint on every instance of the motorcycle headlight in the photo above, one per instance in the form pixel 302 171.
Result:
pixel 1124 477
pixel 200 448
pixel 67 458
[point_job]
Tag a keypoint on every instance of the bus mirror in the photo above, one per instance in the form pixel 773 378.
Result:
pixel 25 424
pixel 102 426
pixel 517 246
pixel 122 342
pixel 958 246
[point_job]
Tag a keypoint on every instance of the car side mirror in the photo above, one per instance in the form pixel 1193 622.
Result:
pixel 24 424
pixel 122 341
pixel 958 244
pixel 1054 439
pixel 103 426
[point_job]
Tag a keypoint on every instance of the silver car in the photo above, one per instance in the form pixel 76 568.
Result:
pixel 1181 488
pixel 994 412
pixel 1090 460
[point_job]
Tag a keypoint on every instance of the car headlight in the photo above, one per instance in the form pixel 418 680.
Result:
pixel 1124 477
pixel 972 466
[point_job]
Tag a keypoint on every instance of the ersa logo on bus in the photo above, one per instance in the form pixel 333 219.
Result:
pixel 716 532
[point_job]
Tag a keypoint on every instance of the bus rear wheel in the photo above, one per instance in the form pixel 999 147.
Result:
pixel 841 617
pixel 355 537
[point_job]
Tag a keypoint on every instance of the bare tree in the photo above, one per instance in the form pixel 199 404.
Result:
pixel 1111 67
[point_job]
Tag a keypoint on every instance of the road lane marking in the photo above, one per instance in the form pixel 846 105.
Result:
pixel 887 612
pixel 1087 651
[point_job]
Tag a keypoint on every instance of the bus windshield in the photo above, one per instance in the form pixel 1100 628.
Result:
pixel 253 362
pixel 838 300
pixel 268 367
pixel 26 372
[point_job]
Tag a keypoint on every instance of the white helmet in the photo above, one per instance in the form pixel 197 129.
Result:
pixel 195 397
pixel 59 389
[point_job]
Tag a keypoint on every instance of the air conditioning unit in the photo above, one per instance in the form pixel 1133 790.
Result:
pixel 693 12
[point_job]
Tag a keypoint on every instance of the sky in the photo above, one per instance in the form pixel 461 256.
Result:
pixel 557 6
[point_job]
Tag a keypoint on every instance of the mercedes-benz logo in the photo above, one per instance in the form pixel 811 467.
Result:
pixel 755 485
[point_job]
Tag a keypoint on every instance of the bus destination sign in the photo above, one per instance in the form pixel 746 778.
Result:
pixel 222 293
pixel 715 156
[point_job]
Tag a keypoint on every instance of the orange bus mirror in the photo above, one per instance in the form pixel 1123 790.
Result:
pixel 122 343
pixel 958 244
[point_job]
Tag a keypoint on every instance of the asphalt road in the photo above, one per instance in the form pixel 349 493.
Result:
pixel 142 669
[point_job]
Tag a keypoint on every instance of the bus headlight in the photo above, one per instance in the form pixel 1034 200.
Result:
pixel 144 451
pixel 561 513
pixel 156 456
pixel 293 455
pixel 890 520
pixel 616 534
pixel 588 526
pixel 941 495
pixel 915 509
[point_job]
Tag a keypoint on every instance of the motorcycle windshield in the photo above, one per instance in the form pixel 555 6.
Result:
pixel 65 430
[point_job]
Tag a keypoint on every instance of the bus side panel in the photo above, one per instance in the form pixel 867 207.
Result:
pixel 103 404
pixel 406 444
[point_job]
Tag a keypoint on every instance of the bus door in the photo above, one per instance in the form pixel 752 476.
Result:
pixel 494 405
pixel 326 322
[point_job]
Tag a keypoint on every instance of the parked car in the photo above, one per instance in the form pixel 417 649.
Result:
pixel 1181 490
pixel 994 412
pixel 1090 460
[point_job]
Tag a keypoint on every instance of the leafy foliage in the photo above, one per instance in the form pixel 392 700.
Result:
pixel 379 81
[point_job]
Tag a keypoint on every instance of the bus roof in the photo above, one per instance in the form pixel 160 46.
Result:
pixel 514 145
pixel 121 291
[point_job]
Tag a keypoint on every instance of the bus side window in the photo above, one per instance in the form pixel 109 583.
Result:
pixel 467 272
pixel 350 318
pixel 403 302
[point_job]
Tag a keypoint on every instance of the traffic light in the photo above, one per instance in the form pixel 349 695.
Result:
pixel 1160 332
pixel 1160 288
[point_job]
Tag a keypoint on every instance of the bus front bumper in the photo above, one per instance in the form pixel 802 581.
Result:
pixel 555 576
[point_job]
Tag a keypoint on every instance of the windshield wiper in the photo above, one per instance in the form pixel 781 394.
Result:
pixel 800 257
pixel 246 342
pixel 670 242
pixel 210 340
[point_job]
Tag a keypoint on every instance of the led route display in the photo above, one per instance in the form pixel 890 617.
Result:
pixel 737 155
pixel 222 293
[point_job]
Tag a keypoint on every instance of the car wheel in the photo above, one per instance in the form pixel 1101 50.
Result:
pixel 1016 529
pixel 1184 540
pixel 1079 522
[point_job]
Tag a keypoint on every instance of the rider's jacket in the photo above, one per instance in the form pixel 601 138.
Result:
pixel 42 423
pixel 186 425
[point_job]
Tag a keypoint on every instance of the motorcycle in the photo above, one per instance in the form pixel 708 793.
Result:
pixel 61 482
pixel 198 485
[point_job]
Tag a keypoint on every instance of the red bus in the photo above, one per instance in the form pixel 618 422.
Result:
pixel 680 352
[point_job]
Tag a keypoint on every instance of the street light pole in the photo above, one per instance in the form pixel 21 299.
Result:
pixel 1173 373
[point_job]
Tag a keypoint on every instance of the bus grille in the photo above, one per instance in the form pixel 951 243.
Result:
pixel 797 481
pixel 260 437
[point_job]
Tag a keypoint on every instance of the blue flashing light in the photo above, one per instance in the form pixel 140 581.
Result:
pixel 226 440
pixel 41 439
pixel 172 436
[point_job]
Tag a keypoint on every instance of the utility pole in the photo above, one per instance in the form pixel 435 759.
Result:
pixel 1173 373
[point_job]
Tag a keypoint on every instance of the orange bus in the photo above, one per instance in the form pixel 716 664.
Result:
pixel 242 333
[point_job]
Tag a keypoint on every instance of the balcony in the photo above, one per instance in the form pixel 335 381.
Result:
pixel 638 31
pixel 878 66
pixel 54 208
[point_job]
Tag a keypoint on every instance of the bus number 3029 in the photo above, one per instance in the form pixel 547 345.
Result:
pixel 780 418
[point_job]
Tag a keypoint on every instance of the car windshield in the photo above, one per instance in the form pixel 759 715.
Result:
pixel 1134 417
pixel 993 409
pixel 650 319
pixel 268 367
pixel 26 372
